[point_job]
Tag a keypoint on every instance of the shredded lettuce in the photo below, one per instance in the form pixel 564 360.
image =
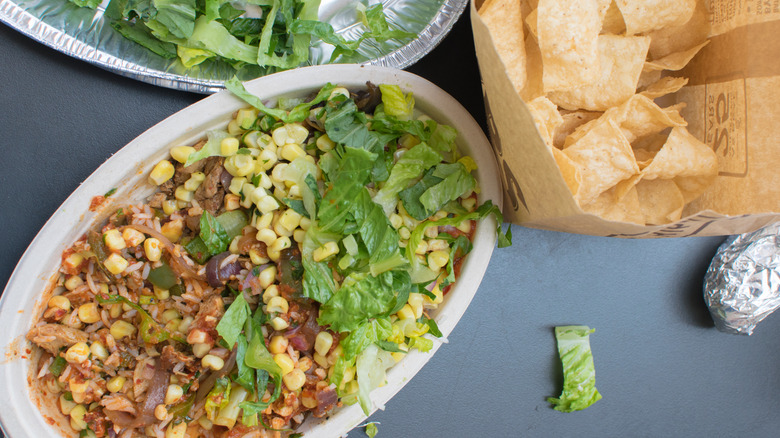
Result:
pixel 232 322
pixel 298 114
pixel 397 103
pixel 371 369
pixel 579 373
pixel 212 147
pixel 410 166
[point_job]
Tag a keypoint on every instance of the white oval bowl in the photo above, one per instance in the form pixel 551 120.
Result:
pixel 126 170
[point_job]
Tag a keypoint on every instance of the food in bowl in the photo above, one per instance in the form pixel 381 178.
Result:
pixel 283 264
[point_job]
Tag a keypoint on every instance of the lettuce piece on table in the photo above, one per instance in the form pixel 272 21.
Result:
pixel 579 373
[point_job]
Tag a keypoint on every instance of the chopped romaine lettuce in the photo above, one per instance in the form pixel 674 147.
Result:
pixel 411 165
pixel 579 373
pixel 371 368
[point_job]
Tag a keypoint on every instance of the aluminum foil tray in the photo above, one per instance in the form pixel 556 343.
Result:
pixel 83 33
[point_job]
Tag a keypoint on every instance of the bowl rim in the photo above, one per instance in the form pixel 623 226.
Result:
pixel 22 297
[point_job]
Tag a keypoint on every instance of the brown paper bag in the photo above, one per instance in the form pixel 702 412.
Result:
pixel 733 106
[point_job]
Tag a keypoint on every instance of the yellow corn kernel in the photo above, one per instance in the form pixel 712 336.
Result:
pixel 294 380
pixel 161 294
pixel 278 343
pixel 73 282
pixel 113 240
pixel 290 219
pixel 324 143
pixel 184 326
pixel 182 194
pixel 292 151
pixel 201 350
pixel 349 375
pixel 232 202
pixel 335 354
pixel 120 329
pixel 277 174
pixel 266 160
pixel 438 245
pixel 160 412
pixel 256 258
pixel 204 422
pixel 88 313
pixel 408 141
pixel 321 360
pixel 181 204
pixel 163 171
pixel 438 259
pixel 396 221
pixel 170 315
pixel 115 310
pixel 214 362
pixel 173 229
pixel 77 353
pixel 270 292
pixel 132 237
pixel 406 312
pixel 299 235
pixel 267 277
pixel 115 263
pixel 281 230
pixel 267 204
pixel 422 247
pixel 59 302
pixel 279 324
pixel 66 406
pixel 323 342
pixel 73 261
pixel 169 206
pixel 78 387
pixel 233 127
pixel 431 232
pixel 465 226
pixel 469 203
pixel 264 221
pixel 173 394
pixel 256 194
pixel 236 185
pixel 176 430
pixel 181 153
pixel 305 223
pixel 416 303
pixel 285 362
pixel 282 242
pixel 228 146
pixel 116 384
pixel 195 180
pixel 277 305
pixel 325 251
pixel 77 418
pixel 240 165
pixel 152 249
pixel 404 233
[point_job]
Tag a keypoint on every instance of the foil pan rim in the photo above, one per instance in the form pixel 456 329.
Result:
pixel 26 23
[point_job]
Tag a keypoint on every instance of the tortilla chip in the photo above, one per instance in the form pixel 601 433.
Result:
pixel 682 155
pixel 608 207
pixel 648 77
pixel 660 200
pixel 571 121
pixel 604 157
pixel 673 39
pixel 533 77
pixel 612 21
pixel 568 41
pixel 637 117
pixel 643 157
pixel 664 86
pixel 569 171
pixel 546 117
pixel 674 61
pixel 621 60
pixel 530 21
pixel 505 23
pixel 692 187
pixel 640 117
pixel 642 16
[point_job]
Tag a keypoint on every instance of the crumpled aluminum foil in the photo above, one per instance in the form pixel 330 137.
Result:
pixel 742 284
pixel 83 34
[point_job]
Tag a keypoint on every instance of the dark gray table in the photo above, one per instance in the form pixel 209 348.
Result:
pixel 661 366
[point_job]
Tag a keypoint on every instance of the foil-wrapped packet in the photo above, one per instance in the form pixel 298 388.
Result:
pixel 742 284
